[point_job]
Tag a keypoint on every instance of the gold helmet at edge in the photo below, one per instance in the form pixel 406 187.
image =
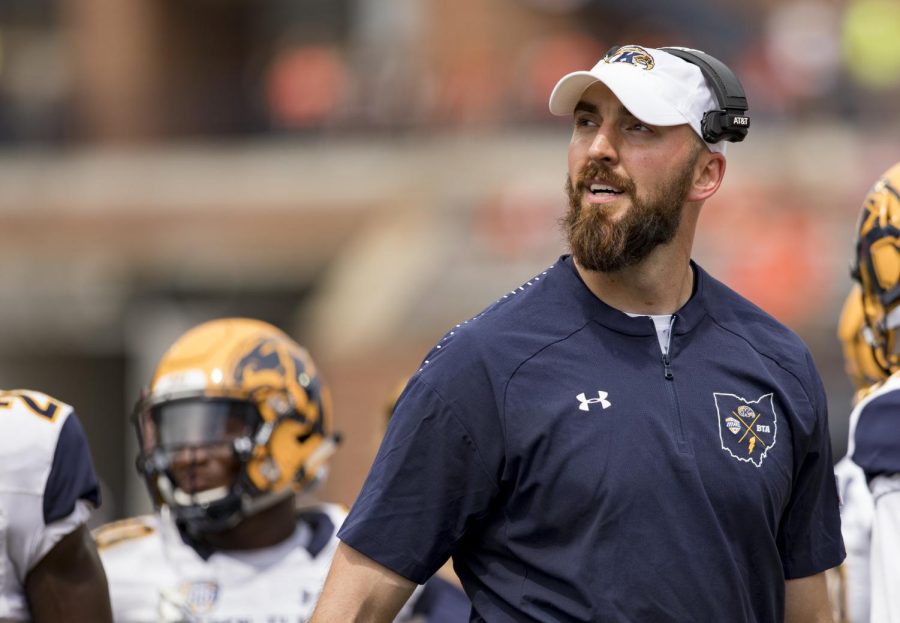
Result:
pixel 877 268
pixel 243 383
pixel 859 361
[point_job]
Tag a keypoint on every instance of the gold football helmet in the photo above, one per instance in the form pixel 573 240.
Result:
pixel 241 387
pixel 859 360
pixel 877 267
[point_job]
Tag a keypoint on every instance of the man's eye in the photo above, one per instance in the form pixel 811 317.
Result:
pixel 583 122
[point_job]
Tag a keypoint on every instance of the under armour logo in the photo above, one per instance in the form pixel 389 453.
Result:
pixel 587 402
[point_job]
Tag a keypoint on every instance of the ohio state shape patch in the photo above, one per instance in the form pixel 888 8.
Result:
pixel 747 428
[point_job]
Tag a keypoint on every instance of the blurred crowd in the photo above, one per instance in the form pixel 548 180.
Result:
pixel 82 70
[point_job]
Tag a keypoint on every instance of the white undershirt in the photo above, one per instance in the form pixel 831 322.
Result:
pixel 663 324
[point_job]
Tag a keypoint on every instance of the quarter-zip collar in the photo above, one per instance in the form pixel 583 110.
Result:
pixel 689 316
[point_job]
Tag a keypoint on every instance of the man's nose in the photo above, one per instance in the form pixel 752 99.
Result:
pixel 603 146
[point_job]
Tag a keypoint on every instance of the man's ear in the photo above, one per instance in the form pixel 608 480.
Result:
pixel 708 174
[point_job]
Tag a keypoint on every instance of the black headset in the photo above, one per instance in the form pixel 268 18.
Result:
pixel 731 122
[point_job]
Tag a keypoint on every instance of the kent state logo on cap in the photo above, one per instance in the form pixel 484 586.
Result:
pixel 634 54
pixel 656 87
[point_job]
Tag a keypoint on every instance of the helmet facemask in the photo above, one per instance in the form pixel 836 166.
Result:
pixel 179 436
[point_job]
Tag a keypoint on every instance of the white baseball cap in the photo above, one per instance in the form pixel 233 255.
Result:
pixel 656 87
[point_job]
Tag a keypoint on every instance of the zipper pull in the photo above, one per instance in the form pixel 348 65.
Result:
pixel 668 368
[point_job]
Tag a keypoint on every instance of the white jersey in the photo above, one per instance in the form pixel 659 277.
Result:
pixel 875 446
pixel 154 576
pixel 885 568
pixel 47 487
pixel 856 528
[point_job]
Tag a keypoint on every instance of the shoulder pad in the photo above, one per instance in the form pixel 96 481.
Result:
pixel 120 531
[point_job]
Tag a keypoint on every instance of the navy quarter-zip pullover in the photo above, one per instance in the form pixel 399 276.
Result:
pixel 574 474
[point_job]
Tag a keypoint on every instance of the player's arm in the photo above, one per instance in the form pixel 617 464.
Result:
pixel 806 600
pixel 69 584
pixel 360 590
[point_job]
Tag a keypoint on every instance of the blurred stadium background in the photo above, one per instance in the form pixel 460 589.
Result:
pixel 366 173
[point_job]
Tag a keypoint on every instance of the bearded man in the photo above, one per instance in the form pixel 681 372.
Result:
pixel 623 438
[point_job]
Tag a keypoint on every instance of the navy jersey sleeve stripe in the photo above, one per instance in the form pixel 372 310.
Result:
pixel 72 475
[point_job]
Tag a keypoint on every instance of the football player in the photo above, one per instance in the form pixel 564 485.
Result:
pixel 874 443
pixel 849 583
pixel 234 429
pixel 49 568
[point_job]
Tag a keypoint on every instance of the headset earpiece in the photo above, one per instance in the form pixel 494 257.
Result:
pixel 731 122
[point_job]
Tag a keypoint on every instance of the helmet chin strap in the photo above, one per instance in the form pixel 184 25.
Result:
pixel 200 497
pixel 252 505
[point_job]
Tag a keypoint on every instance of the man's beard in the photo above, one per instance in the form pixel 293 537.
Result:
pixel 602 245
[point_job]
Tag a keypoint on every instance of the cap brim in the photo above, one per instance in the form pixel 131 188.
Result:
pixel 639 96
pixel 568 91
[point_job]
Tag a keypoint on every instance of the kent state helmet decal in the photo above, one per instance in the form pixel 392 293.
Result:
pixel 747 428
